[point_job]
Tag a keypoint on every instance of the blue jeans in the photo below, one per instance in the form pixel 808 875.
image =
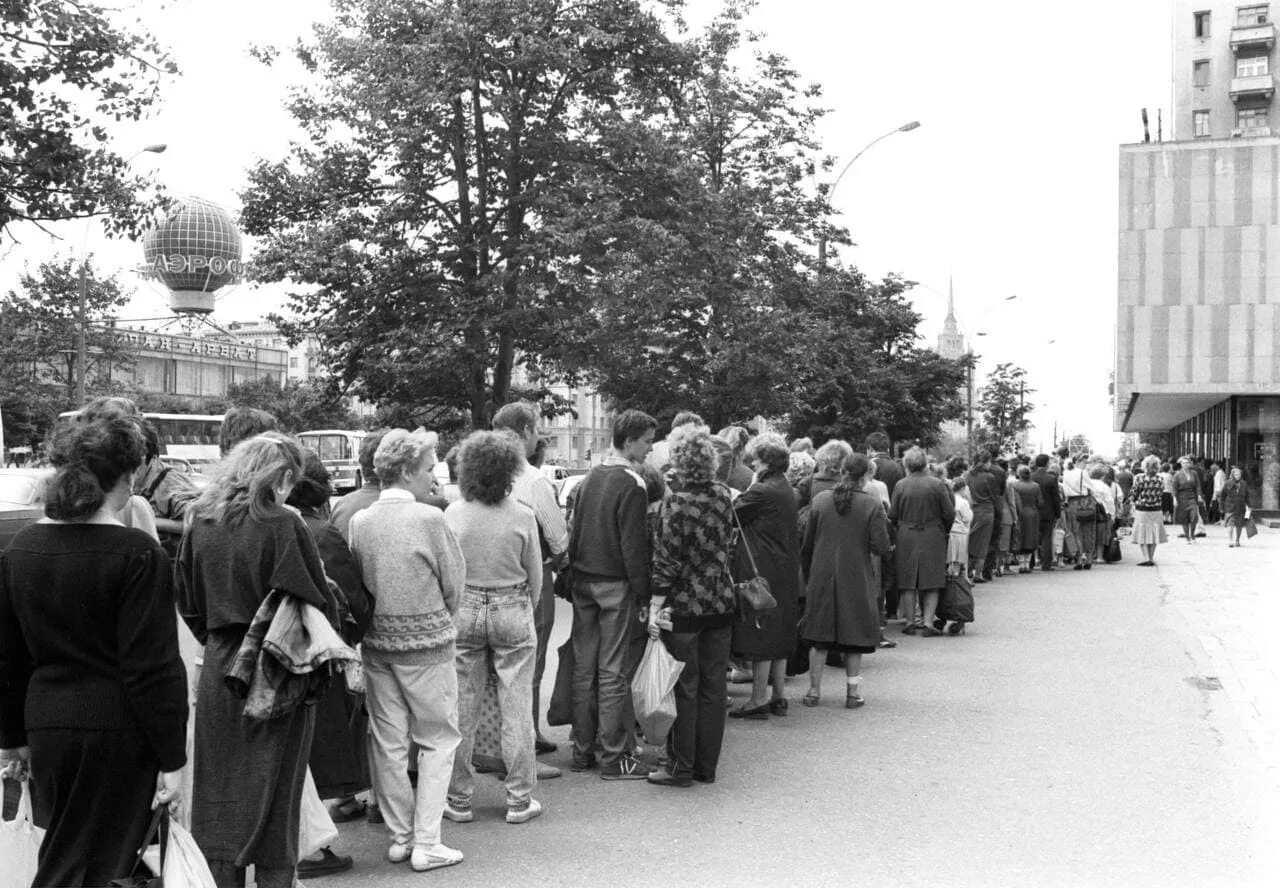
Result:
pixel 497 625
pixel 603 613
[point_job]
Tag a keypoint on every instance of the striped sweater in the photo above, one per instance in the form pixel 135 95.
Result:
pixel 414 569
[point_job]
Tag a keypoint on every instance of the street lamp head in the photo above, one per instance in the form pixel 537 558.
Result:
pixel 158 148
pixel 909 126
pixel 1011 298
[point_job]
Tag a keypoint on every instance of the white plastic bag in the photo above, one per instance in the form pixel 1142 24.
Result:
pixel 184 863
pixel 20 842
pixel 653 691
pixel 316 829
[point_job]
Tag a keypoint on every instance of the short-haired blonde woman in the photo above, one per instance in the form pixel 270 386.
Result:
pixel 500 544
pixel 414 569
pixel 241 544
pixel 692 600
pixel 1148 510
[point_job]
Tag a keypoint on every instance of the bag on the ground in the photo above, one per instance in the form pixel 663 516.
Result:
pixel 1250 529
pixel 1111 553
pixel 560 709
pixel 956 602
pixel 20 840
pixel 653 691
pixel 315 826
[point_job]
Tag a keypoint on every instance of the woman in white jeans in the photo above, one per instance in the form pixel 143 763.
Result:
pixel 413 567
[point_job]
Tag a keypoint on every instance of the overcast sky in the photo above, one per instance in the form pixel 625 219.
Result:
pixel 1009 185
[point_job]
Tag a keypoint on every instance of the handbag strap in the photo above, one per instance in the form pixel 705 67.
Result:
pixel 742 535
pixel 159 828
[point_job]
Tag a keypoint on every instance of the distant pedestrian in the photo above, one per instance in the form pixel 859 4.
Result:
pixel 1235 505
pixel 922 513
pixel 367 493
pixel 1026 500
pixel 1148 518
pixel 1187 498
pixel 958 540
pixel 983 494
pixel 1081 514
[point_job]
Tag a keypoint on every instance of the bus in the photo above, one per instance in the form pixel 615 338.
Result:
pixel 189 437
pixel 339 450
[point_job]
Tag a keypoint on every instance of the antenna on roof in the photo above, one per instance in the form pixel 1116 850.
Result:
pixel 1146 131
pixel 1159 124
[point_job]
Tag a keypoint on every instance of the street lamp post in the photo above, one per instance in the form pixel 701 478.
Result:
pixel 82 346
pixel 822 238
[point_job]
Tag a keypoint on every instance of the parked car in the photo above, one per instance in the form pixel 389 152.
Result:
pixel 20 503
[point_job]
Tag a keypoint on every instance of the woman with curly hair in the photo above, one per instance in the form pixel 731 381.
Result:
pixel 766 512
pixel 691 608
pixel 503 555
pixel 846 528
pixel 243 543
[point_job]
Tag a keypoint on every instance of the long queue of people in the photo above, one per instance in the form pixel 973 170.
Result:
pixel 450 596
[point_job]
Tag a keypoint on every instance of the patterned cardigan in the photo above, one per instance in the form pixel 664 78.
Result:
pixel 693 550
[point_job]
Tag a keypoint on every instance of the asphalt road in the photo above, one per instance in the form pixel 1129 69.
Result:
pixel 1067 739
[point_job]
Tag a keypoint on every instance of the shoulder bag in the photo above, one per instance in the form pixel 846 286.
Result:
pixel 753 595
pixel 1086 513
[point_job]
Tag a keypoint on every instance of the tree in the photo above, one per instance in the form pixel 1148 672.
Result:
pixel 1004 405
pixel 61 58
pixel 39 323
pixel 420 219
pixel 298 406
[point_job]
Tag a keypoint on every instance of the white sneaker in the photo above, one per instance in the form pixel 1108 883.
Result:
pixel 429 857
pixel 398 853
pixel 458 815
pixel 525 814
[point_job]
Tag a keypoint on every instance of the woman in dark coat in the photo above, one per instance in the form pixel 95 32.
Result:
pixel 92 691
pixel 1235 506
pixel 846 528
pixel 922 512
pixel 241 544
pixel 1186 495
pixel 339 763
pixel 766 512
pixel 1026 496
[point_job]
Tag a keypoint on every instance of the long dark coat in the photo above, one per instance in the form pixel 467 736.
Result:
pixel 843 595
pixel 767 513
pixel 922 511
pixel 339 762
pixel 1028 497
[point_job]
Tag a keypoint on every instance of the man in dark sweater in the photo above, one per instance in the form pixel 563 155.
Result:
pixel 609 550
pixel 1050 508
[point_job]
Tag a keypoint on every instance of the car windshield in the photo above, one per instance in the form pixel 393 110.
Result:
pixel 18 489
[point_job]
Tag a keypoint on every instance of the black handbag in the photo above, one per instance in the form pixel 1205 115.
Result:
pixel 1111 554
pixel 753 595
pixel 159 830
pixel 1085 513
pixel 955 604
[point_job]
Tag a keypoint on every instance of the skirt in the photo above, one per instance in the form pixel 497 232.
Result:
pixel 1148 528
pixel 958 546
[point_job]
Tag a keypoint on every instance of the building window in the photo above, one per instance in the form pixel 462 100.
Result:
pixel 1248 16
pixel 1200 123
pixel 293 363
pixel 1202 24
pixel 1200 72
pixel 1252 66
pixel 1250 119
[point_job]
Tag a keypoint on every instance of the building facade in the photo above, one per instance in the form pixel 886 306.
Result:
pixel 304 358
pixel 193 367
pixel 1199 255
pixel 1223 85
pixel 952 345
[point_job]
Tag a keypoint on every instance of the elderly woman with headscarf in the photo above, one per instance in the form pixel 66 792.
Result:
pixel 766 512
pixel 1235 506
pixel 922 511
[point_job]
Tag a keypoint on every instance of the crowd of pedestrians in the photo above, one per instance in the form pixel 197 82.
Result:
pixel 449 595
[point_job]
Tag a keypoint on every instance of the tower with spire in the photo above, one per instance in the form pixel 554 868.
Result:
pixel 951 340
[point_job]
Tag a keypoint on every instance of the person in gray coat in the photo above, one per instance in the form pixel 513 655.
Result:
pixel 922 511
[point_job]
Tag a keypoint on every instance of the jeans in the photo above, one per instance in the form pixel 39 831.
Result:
pixel 603 614
pixel 497 625
pixel 693 746
pixel 544 620
pixel 418 703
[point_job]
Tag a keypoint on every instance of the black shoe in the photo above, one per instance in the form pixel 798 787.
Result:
pixel 704 778
pixel 328 864
pixel 778 706
pixel 628 768
pixel 666 778
pixel 754 713
pixel 580 764
pixel 542 745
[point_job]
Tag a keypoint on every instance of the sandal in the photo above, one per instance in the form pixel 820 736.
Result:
pixel 912 628
pixel 810 699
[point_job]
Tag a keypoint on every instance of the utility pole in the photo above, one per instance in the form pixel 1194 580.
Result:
pixel 969 413
pixel 82 348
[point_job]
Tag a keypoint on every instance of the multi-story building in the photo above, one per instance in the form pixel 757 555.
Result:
pixel 1199 250
pixel 194 367
pixel 304 358
pixel 951 345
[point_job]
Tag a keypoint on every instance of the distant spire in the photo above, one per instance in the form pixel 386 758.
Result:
pixel 951 299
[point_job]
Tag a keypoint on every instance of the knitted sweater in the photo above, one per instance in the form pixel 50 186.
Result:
pixel 499 543
pixel 610 537
pixel 695 541
pixel 414 568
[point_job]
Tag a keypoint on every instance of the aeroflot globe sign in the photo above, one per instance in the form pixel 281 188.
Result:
pixel 194 252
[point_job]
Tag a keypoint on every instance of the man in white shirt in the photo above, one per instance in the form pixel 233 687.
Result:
pixel 531 487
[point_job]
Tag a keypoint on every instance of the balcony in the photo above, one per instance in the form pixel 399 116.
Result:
pixel 1250 132
pixel 1253 38
pixel 1259 86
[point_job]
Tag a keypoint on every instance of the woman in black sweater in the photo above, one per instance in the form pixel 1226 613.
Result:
pixel 93 695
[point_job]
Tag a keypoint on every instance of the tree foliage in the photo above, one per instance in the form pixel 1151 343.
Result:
pixel 39 322
pixel 58 60
pixel 1004 405
pixel 420 219
pixel 297 405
